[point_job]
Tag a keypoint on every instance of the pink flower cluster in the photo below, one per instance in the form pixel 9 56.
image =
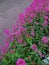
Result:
pixel 27 17
pixel 45 23
pixel 45 39
pixel 20 62
pixel 34 47
pixel 37 6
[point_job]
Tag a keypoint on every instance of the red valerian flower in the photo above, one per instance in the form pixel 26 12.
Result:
pixel 34 47
pixel 20 62
pixel 44 39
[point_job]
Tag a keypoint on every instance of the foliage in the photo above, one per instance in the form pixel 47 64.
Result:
pixel 28 43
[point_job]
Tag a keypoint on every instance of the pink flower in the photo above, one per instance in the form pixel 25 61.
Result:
pixel 46 9
pixel 3 51
pixel 34 47
pixel 20 62
pixel 30 20
pixel 19 41
pixel 44 39
pixel 21 19
pixel 16 34
pixel 7 31
pixel 46 17
pixel 39 7
pixel 27 11
pixel 6 44
pixel 32 15
pixel 21 28
pixel 45 23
